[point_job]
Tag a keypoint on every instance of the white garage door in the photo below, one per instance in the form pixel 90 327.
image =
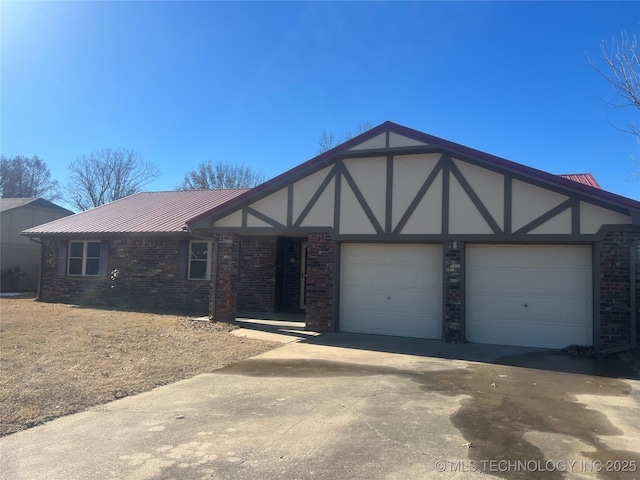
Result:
pixel 391 289
pixel 529 295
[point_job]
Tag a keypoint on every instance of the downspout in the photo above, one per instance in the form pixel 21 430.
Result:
pixel 633 261
pixel 39 242
pixel 214 282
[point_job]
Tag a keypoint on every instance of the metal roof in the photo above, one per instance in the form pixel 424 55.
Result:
pixel 11 203
pixel 583 178
pixel 146 212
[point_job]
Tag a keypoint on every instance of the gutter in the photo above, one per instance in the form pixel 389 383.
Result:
pixel 633 261
pixel 39 242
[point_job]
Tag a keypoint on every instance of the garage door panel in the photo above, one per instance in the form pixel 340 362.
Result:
pixel 489 281
pixel 529 295
pixel 367 299
pixel 402 276
pixel 573 310
pixel 363 298
pixel 503 331
pixel 391 289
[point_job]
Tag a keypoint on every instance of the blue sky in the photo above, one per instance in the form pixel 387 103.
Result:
pixel 257 83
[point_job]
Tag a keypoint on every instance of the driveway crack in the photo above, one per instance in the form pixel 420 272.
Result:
pixel 380 434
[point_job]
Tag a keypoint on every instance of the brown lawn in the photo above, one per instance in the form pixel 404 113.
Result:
pixel 57 359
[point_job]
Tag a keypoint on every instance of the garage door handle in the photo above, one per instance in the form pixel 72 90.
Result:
pixel 526 305
pixel 388 298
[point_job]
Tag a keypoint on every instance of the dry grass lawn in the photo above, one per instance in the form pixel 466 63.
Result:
pixel 57 359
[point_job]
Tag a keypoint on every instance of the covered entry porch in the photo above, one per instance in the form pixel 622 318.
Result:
pixel 274 277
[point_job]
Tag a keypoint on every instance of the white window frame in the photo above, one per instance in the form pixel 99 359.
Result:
pixel 207 260
pixel 85 257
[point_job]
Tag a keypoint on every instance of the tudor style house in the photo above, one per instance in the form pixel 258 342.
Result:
pixel 394 232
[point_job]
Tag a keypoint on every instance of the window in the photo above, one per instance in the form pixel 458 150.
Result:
pixel 84 258
pixel 199 262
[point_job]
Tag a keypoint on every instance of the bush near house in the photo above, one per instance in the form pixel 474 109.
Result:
pixel 11 278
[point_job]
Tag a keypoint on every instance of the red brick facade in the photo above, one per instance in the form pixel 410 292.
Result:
pixel 256 276
pixel 223 307
pixel 262 274
pixel 152 275
pixel 321 268
pixel 614 302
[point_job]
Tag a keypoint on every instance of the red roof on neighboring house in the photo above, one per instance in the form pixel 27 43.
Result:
pixel 146 212
pixel 583 178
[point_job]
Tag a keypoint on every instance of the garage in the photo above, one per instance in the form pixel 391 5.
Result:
pixel 391 289
pixel 412 235
pixel 529 295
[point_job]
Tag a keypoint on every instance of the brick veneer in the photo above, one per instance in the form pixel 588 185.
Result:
pixel 453 308
pixel 256 277
pixel 224 304
pixel 321 261
pixel 614 302
pixel 149 278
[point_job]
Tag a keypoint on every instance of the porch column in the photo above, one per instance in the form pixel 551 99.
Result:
pixel 613 291
pixel 453 284
pixel 321 268
pixel 225 276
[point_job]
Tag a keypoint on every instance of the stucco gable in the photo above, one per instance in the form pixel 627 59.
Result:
pixel 377 183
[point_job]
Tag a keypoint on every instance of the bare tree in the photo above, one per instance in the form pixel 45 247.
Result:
pixel 328 139
pixel 622 59
pixel 24 177
pixel 209 176
pixel 106 175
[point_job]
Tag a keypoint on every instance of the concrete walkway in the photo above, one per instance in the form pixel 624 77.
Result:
pixel 356 407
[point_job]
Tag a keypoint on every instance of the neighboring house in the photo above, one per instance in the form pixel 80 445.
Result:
pixel 16 251
pixel 394 232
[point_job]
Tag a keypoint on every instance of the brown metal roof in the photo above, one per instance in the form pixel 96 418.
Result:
pixel 583 178
pixel 146 212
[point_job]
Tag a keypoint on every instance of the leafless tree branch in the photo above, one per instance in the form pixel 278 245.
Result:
pixel 106 175
pixel 328 140
pixel 209 176
pixel 24 177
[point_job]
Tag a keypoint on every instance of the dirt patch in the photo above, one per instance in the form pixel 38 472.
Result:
pixel 57 359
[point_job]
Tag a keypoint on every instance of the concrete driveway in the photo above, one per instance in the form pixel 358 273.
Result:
pixel 341 406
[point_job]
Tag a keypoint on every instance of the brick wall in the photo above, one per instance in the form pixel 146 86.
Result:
pixel 453 308
pixel 150 277
pixel 615 288
pixel 257 274
pixel 223 306
pixel 321 260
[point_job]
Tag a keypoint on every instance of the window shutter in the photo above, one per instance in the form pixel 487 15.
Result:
pixel 62 257
pixel 104 258
pixel 183 259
